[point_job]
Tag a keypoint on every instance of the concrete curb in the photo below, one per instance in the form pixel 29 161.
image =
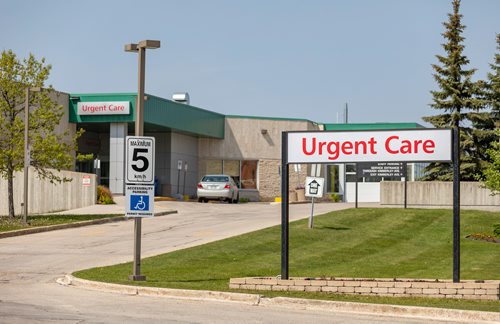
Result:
pixel 42 229
pixel 454 315
pixel 463 316
pixel 199 295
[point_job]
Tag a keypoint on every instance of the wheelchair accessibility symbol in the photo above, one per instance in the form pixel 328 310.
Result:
pixel 139 202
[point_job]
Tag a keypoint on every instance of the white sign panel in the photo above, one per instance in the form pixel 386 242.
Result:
pixel 139 201
pixel 314 187
pixel 140 159
pixel 103 108
pixel 368 146
pixel 86 181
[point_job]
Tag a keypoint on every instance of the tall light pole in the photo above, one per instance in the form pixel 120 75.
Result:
pixel 27 149
pixel 140 48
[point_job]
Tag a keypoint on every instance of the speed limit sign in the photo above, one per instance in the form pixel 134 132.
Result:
pixel 140 159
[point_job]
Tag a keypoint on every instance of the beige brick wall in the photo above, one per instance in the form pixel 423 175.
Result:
pixel 436 193
pixel 269 178
pixel 488 290
pixel 256 139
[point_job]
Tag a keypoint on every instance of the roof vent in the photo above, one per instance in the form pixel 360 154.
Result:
pixel 182 97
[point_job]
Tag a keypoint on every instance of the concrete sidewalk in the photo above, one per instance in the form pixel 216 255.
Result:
pixel 118 208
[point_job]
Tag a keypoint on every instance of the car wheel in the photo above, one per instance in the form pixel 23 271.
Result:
pixel 237 199
pixel 200 200
pixel 229 200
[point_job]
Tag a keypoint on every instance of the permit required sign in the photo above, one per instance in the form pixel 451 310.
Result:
pixel 139 200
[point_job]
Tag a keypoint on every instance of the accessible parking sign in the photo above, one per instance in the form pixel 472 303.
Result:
pixel 139 201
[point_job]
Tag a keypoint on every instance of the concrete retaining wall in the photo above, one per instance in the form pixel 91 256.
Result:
pixel 46 197
pixel 467 289
pixel 436 193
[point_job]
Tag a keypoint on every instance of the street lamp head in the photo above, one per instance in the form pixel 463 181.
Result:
pixel 149 44
pixel 131 48
pixel 35 89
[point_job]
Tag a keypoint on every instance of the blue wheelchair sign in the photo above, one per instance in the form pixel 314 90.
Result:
pixel 139 202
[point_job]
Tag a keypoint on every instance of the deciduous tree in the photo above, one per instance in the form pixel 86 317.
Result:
pixel 48 149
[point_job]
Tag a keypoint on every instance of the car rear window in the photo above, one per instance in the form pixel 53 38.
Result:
pixel 215 179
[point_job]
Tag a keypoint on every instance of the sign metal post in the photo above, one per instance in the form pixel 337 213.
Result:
pixel 139 190
pixel 356 187
pixel 314 189
pixel 456 204
pixel 184 182
pixel 284 205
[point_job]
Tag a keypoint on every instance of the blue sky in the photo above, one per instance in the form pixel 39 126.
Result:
pixel 276 58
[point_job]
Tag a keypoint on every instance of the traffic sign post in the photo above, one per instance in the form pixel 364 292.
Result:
pixel 314 189
pixel 139 189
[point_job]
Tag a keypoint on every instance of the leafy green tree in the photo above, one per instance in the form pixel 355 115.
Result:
pixel 460 100
pixel 492 173
pixel 47 148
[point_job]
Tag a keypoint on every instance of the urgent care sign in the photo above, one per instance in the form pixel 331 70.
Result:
pixel 103 108
pixel 370 146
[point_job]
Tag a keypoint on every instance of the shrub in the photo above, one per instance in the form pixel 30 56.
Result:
pixel 335 197
pixel 496 230
pixel 104 196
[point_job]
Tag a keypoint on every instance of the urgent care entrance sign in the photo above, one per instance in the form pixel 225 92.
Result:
pixel 370 146
pixel 103 108
pixel 416 145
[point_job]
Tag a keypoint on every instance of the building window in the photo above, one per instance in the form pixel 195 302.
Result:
pixel 249 174
pixel 243 172
pixel 332 178
pixel 232 168
pixel 350 172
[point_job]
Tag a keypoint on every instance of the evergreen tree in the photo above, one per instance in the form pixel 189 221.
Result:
pixel 47 149
pixel 491 174
pixel 485 123
pixel 459 98
pixel 493 87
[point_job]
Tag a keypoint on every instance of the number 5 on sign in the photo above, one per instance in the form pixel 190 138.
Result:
pixel 140 154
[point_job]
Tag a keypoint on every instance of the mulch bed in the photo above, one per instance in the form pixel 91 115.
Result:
pixel 483 237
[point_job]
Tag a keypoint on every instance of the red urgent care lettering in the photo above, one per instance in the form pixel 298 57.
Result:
pixel 393 145
pixel 94 109
pixel 116 107
pixel 335 148
pixel 103 108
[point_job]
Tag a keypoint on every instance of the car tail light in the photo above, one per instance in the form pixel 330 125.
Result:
pixel 227 187
pixel 200 186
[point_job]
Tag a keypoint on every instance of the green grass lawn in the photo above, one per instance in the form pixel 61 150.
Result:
pixel 377 243
pixel 7 224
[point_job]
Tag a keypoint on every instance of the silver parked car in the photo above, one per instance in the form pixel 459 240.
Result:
pixel 218 187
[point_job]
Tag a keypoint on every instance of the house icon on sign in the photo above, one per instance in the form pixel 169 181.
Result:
pixel 313 187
